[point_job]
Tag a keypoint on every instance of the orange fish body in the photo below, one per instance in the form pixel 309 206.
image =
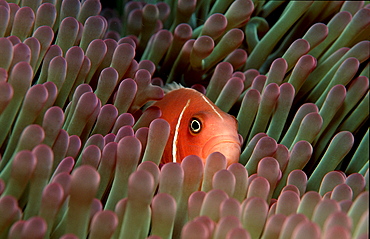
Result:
pixel 198 127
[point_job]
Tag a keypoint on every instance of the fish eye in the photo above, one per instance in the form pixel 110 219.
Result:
pixel 195 125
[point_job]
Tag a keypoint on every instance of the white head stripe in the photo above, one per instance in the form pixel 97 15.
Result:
pixel 213 108
pixel 174 143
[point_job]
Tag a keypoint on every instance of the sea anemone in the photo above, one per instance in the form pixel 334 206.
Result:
pixel 81 147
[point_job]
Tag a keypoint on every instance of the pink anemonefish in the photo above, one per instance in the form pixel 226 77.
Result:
pixel 198 127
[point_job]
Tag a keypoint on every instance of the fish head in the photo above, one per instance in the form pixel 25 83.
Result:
pixel 209 132
pixel 198 127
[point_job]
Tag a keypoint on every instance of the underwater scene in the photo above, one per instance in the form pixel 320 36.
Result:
pixel 184 119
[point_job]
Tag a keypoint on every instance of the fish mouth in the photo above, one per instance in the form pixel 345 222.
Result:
pixel 228 145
